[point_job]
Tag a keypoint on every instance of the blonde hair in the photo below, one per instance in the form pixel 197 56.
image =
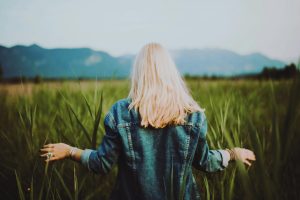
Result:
pixel 157 90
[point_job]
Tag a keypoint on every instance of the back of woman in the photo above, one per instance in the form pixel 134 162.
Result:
pixel 155 135
pixel 155 163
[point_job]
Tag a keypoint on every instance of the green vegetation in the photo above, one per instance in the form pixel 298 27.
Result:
pixel 259 115
pixel 1 72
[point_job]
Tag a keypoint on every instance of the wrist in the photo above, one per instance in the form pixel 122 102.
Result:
pixel 231 153
pixel 72 152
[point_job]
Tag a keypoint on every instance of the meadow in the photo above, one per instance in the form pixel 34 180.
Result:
pixel 260 115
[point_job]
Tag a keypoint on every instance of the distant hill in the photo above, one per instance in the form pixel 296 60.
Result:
pixel 34 60
pixel 221 62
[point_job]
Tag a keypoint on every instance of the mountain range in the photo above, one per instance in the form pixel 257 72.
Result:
pixel 30 61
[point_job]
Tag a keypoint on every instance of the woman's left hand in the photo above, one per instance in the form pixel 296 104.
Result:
pixel 245 155
pixel 57 151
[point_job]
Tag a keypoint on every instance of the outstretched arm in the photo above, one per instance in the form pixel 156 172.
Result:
pixel 61 151
pixel 216 160
pixel 97 161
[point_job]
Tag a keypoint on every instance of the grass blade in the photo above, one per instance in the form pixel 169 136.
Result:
pixel 21 193
pixel 97 122
pixel 86 133
pixel 88 105
pixel 63 184
pixel 75 183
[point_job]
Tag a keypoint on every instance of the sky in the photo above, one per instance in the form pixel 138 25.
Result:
pixel 271 27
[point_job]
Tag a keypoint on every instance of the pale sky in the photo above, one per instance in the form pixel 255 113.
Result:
pixel 271 27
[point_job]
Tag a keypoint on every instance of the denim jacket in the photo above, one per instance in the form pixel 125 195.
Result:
pixel 153 163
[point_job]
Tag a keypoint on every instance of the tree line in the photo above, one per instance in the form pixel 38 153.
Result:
pixel 287 72
pixel 268 72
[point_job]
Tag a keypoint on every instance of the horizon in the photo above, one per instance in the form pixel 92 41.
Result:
pixel 170 50
pixel 269 27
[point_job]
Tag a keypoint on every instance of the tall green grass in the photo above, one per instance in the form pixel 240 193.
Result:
pixel 259 115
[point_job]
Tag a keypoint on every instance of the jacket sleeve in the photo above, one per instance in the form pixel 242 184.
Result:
pixel 100 161
pixel 209 160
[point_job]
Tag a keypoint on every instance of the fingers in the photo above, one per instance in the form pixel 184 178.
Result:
pixel 245 155
pixel 44 155
pixel 49 145
pixel 46 149
pixel 250 155
pixel 51 159
pixel 56 151
pixel 247 162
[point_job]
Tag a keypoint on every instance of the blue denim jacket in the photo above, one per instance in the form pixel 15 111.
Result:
pixel 153 163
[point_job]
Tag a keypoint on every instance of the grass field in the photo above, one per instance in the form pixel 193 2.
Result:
pixel 260 115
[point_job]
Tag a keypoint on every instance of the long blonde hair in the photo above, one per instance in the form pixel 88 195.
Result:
pixel 157 90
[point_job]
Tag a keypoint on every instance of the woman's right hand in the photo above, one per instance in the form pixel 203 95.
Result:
pixel 59 151
pixel 244 155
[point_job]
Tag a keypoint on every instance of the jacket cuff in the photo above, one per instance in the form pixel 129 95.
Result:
pixel 225 157
pixel 84 158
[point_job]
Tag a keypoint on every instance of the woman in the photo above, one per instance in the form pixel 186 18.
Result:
pixel 155 135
